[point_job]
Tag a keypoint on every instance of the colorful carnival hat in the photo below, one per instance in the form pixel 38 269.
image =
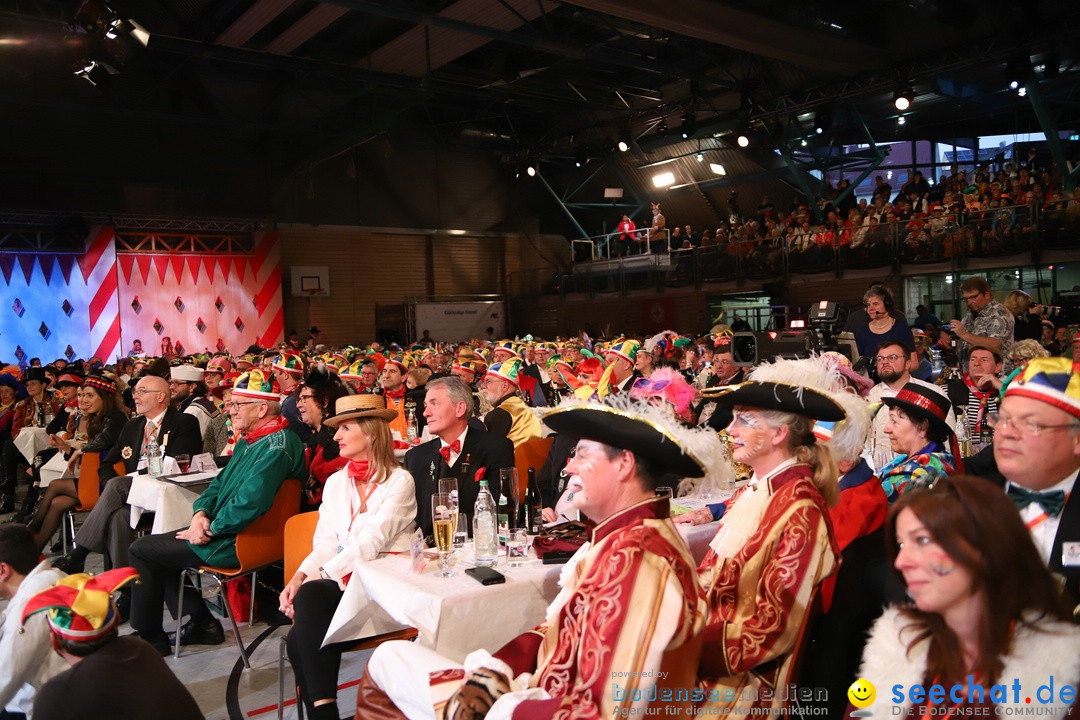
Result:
pixel 508 346
pixel 476 367
pixel 1053 380
pixel 626 349
pixel 507 370
pixel 400 360
pixel 227 383
pixel 219 364
pixel 359 406
pixel 69 379
pixel 245 363
pixel 102 384
pixel 289 362
pixel 352 372
pixel 635 425
pixel 186 373
pixel 254 384
pixel 843 365
pixel 925 403
pixel 80 607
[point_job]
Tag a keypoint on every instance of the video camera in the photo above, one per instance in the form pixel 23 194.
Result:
pixel 822 332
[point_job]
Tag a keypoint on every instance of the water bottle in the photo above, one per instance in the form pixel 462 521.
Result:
pixel 153 457
pixel 410 425
pixel 485 541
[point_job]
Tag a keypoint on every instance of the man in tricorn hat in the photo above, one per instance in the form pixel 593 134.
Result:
pixel 642 617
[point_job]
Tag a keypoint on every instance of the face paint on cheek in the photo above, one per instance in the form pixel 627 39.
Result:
pixel 941 564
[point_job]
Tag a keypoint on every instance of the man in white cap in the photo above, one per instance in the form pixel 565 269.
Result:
pixel 187 392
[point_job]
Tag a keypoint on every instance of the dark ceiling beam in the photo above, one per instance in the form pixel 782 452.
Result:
pixel 252 20
pixel 728 26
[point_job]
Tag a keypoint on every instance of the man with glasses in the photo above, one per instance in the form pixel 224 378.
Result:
pixel 987 322
pixel 107 529
pixel 267 453
pixel 188 394
pixel 1037 451
pixel 891 360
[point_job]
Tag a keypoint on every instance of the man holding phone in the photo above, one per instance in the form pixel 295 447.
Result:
pixel 630 604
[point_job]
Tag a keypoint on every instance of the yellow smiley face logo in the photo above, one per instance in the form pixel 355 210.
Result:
pixel 861 693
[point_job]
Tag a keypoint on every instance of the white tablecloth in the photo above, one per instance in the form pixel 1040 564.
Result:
pixel 170 503
pixel 455 615
pixel 31 441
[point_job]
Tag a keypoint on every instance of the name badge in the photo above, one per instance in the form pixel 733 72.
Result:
pixel 1070 554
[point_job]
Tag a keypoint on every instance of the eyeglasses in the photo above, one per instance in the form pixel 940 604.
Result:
pixel 238 405
pixel 969 298
pixel 309 396
pixel 887 358
pixel 1025 426
pixel 144 391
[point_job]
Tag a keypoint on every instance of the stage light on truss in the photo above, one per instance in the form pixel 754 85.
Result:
pixel 663 180
pixel 903 99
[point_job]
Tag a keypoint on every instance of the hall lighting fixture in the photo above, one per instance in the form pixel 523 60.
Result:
pixel 903 99
pixel 663 180
pixel 700 156
pixel 623 145
pixel 717 169
pixel 743 139
pixel 821 121
pixel 1022 91
pixel 689 126
pixel 530 171
pixel 901 120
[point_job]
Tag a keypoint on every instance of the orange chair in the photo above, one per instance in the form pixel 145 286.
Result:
pixel 258 546
pixel 89 487
pixel 530 454
pixel 299 532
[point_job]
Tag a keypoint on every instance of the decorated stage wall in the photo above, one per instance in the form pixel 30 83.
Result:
pixel 98 302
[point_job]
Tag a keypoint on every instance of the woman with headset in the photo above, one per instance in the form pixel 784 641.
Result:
pixel 880 323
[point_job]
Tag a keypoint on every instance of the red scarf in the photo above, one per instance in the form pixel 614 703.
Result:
pixel 360 470
pixel 982 396
pixel 277 423
pixel 396 394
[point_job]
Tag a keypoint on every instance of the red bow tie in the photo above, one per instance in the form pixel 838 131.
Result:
pixel 445 451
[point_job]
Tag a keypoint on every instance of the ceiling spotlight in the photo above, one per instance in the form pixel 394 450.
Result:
pixel 743 139
pixel 623 145
pixel 663 180
pixel 903 99
pixel 822 120
pixel 689 126
pixel 582 157
pixel 661 128
pixel 717 169
pixel 531 171
pixel 901 120
pixel 93 72
pixel 804 143
pixel 700 156
pixel 1022 92
pixel 1014 84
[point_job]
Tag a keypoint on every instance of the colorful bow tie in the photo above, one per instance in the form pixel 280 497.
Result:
pixel 445 451
pixel 1050 501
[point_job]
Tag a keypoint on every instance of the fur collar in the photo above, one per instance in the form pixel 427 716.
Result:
pixel 1053 649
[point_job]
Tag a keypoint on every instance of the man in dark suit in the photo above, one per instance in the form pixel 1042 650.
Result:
pixel 459 450
pixel 1037 450
pixel 108 528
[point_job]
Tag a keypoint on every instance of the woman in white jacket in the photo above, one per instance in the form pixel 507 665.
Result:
pixel 368 507
pixel 986 622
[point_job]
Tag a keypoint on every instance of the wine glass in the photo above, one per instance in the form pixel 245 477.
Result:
pixel 449 485
pixel 444 519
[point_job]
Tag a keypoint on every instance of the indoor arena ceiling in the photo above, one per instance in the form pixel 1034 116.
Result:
pixel 278 86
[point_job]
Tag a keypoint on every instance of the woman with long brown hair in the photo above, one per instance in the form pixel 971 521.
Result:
pixel 95 429
pixel 985 611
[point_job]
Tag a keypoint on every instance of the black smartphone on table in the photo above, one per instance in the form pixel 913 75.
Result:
pixel 486 575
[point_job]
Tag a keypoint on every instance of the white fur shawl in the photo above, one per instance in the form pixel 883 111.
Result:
pixel 1053 649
